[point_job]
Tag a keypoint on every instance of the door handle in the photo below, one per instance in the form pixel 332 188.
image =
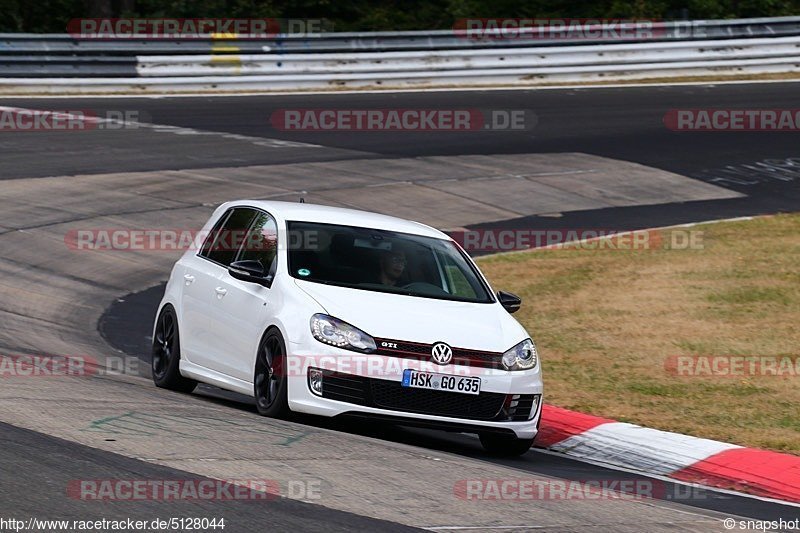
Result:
pixel 220 292
pixel 189 279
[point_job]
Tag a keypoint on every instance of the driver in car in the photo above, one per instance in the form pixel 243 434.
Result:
pixel 393 264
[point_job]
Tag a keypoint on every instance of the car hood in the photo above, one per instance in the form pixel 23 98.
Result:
pixel 426 320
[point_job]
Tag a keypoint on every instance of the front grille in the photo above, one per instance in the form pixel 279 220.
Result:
pixel 391 395
pixel 422 352
pixel 383 394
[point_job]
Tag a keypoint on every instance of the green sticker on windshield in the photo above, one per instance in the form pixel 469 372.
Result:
pixel 304 272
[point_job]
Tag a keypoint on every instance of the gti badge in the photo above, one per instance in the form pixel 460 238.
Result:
pixel 441 353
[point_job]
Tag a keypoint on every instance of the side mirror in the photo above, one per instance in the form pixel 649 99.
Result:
pixel 510 302
pixel 250 271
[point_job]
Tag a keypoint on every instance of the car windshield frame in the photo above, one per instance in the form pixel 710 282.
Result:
pixel 387 289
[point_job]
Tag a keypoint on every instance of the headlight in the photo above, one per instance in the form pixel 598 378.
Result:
pixel 334 332
pixel 523 356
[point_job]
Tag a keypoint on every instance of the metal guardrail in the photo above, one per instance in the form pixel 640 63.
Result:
pixel 485 59
pixel 60 63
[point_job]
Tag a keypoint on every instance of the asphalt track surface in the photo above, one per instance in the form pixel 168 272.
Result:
pixel 619 123
pixel 126 328
pixel 49 464
pixel 624 123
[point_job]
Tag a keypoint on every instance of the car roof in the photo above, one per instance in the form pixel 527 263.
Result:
pixel 303 212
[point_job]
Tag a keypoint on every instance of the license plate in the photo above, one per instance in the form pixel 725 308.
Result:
pixel 428 380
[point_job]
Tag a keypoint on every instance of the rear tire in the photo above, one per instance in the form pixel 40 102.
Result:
pixel 503 446
pixel 270 385
pixel 166 354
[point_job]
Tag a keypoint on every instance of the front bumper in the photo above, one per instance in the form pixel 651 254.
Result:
pixel 369 385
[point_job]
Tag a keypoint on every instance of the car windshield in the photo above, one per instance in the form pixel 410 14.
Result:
pixel 383 261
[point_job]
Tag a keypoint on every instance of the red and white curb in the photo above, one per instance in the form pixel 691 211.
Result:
pixel 681 457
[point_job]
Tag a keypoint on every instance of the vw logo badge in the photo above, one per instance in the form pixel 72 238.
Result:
pixel 441 353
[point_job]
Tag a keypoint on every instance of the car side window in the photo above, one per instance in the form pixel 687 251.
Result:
pixel 209 242
pixel 262 242
pixel 225 240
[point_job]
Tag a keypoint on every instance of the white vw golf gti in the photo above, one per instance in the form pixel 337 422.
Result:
pixel 331 311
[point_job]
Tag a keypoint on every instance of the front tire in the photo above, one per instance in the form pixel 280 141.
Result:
pixel 503 446
pixel 166 354
pixel 270 380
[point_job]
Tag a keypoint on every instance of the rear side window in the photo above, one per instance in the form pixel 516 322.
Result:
pixel 262 242
pixel 209 242
pixel 224 241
